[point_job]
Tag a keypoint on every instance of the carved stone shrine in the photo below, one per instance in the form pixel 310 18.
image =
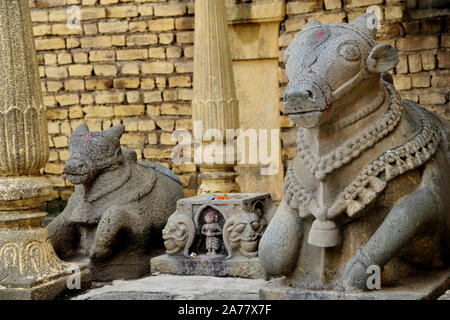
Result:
pixel 215 234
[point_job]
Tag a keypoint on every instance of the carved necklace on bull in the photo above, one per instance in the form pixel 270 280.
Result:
pixel 352 148
pixel 369 183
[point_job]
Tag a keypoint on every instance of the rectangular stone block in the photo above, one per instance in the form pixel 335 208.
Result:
pixel 126 83
pixel 130 68
pixel 98 84
pixel 170 9
pixel 105 70
pixel 56 72
pixel 360 3
pixel 74 85
pixel 98 112
pixel 132 54
pixel 159 25
pixel 180 81
pixel 113 26
pixel 102 55
pixel 108 97
pixel 428 60
pixel 50 44
pixel 129 110
pixel 161 67
pixel 96 42
pixel 125 11
pixel 141 40
pixel 402 82
pixel 421 80
pixel 333 4
pixel 80 70
pixel 235 267
pixel 298 7
pixel 417 43
pixel 67 99
pixel 87 13
pixel 414 63
pixel 152 97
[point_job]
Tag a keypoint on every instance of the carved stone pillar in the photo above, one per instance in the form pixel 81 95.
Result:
pixel 29 267
pixel 214 103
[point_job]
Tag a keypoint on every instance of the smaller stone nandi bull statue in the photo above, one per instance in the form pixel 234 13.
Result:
pixel 370 182
pixel 117 206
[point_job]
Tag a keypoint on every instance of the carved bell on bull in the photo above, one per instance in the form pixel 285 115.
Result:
pixel 29 267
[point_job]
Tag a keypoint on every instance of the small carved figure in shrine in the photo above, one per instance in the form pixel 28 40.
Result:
pixel 212 230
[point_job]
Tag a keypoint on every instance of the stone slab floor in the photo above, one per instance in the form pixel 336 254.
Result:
pixel 174 287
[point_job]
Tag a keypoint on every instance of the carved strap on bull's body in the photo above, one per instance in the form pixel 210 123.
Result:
pixel 372 180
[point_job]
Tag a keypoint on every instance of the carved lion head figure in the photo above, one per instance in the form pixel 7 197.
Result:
pixel 179 234
pixel 242 232
pixel 92 152
pixel 326 62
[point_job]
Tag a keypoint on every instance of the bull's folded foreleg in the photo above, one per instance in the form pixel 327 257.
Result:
pixel 281 242
pixel 112 221
pixel 401 224
pixel 63 235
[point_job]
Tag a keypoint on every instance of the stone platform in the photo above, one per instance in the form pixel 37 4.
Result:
pixel 53 288
pixel 176 287
pixel 428 287
pixel 173 287
pixel 205 265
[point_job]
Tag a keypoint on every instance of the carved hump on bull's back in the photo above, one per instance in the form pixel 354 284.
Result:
pixel 161 169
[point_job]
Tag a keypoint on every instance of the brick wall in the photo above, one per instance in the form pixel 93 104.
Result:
pixel 423 46
pixel 131 63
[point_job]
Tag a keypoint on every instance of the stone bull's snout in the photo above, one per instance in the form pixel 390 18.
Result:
pixel 76 171
pixel 73 167
pixel 302 98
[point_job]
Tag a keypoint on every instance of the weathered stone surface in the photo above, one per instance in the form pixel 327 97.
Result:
pixel 118 208
pixel 173 287
pixel 202 265
pixel 368 185
pixel 427 287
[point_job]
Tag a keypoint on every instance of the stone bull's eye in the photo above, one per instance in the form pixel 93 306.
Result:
pixel 349 51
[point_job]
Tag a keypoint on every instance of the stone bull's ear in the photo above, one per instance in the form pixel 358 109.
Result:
pixel 82 129
pixel 116 131
pixel 382 58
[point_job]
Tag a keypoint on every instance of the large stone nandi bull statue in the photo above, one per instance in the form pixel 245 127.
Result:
pixel 370 182
pixel 119 208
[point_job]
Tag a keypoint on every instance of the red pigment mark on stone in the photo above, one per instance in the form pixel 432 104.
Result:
pixel 86 137
pixel 320 34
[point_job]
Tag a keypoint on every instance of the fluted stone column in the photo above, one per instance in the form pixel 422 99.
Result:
pixel 214 102
pixel 29 267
